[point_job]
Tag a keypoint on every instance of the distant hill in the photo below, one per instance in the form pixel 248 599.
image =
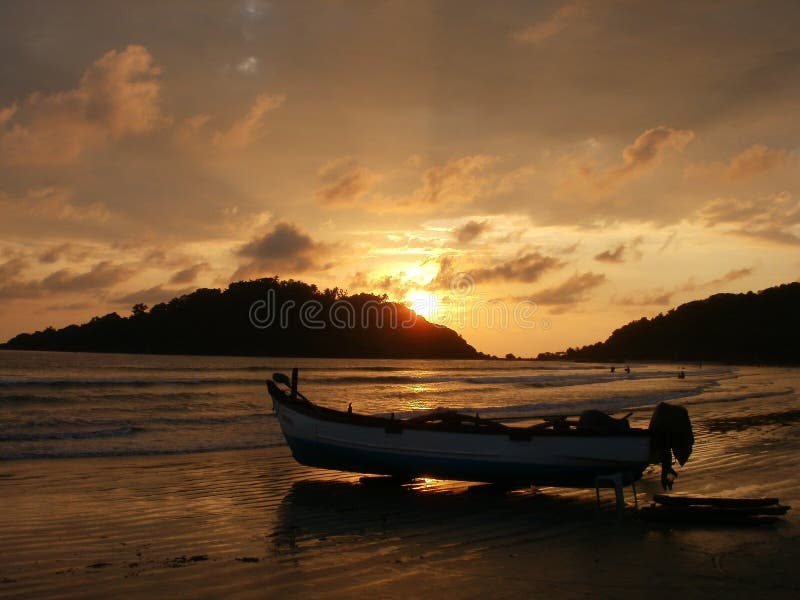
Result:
pixel 761 327
pixel 265 317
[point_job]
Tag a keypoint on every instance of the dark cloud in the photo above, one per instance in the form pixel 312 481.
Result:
pixel 731 276
pixel 570 249
pixel 527 268
pixel 12 286
pixel 54 253
pixel 11 269
pixel 621 252
pixel 394 285
pixel 612 256
pixel 654 298
pixel 70 306
pixel 571 291
pixel 99 278
pixel 189 274
pixel 152 295
pixel 771 218
pixel 668 242
pixel 661 297
pixel 102 275
pixel 65 251
pixel 283 250
pixel 470 230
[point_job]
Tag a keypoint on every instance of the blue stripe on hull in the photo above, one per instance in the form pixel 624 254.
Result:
pixel 328 456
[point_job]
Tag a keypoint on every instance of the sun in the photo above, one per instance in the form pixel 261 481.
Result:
pixel 424 304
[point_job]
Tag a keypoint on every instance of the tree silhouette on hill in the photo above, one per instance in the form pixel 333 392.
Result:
pixel 753 327
pixel 305 321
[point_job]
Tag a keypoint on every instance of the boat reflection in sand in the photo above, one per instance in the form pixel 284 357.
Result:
pixel 439 515
pixel 448 445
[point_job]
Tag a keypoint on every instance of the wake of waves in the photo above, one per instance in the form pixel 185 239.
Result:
pixel 540 378
pixel 123 381
pixel 369 368
pixel 59 454
pixel 610 404
pixel 64 382
pixel 183 421
pixel 71 435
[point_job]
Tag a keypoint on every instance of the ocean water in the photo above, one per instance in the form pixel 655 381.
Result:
pixel 55 405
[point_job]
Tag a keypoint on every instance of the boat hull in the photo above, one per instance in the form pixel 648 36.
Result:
pixel 568 460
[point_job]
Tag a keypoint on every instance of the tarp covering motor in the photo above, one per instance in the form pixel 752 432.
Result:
pixel 670 434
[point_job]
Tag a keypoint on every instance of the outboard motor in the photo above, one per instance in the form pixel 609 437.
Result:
pixel 670 434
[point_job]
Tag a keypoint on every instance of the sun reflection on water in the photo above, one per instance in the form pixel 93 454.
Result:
pixel 418 403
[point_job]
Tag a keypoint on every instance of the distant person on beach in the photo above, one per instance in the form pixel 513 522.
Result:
pixel 627 369
pixel 681 374
pixel 613 369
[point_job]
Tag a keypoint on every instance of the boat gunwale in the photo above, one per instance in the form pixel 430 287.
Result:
pixel 477 426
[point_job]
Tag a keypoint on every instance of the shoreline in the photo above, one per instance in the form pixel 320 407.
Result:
pixel 487 358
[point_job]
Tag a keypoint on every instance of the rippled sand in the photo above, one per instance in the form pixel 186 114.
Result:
pixel 255 524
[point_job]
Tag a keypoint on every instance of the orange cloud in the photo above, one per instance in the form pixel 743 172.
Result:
pixel 589 184
pixel 53 203
pixel 458 181
pixel 645 152
pixel 250 127
pixel 342 181
pixel 754 161
pixel 540 32
pixel 6 114
pixel 117 96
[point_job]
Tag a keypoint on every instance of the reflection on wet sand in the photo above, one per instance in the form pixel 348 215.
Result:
pixel 447 514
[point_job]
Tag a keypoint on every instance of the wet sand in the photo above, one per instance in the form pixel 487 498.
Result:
pixel 254 524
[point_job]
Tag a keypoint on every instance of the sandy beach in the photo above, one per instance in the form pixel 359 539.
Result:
pixel 249 524
pixel 168 477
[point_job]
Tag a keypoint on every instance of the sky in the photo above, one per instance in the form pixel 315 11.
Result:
pixel 532 174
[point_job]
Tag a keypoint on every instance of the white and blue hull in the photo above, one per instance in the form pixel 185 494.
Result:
pixel 567 459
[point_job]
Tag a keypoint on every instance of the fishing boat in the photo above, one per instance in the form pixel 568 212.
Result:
pixel 445 444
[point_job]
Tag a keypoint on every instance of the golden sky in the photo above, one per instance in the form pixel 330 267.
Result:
pixel 534 174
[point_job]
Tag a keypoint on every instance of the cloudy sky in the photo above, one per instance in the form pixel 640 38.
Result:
pixel 534 174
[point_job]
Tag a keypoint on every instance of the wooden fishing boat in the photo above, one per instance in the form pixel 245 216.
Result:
pixel 450 445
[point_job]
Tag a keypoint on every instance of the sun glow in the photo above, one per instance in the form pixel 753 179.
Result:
pixel 424 304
